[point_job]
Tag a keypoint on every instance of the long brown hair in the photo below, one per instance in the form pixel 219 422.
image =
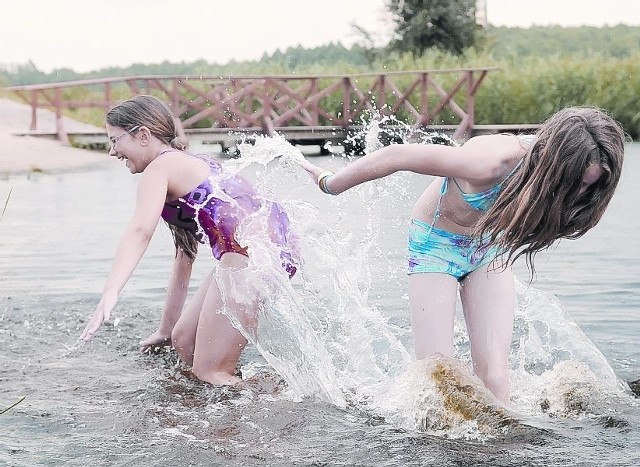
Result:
pixel 154 114
pixel 541 202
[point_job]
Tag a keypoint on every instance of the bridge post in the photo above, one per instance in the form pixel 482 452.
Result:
pixel 424 100
pixel 315 120
pixel 267 126
pixel 470 103
pixel 107 96
pixel 34 110
pixel 465 128
pixel 346 104
pixel 62 134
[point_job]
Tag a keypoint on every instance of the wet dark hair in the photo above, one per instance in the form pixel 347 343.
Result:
pixel 184 240
pixel 542 202
pixel 150 112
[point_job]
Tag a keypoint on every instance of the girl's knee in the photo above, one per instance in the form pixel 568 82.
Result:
pixel 183 343
pixel 177 334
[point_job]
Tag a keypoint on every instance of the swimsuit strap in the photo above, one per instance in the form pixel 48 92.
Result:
pixel 436 213
pixel 464 192
pixel 515 167
pixel 168 150
pixel 495 187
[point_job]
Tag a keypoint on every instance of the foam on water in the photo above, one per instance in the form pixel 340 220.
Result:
pixel 320 332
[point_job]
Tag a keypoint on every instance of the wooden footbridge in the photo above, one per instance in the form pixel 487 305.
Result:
pixel 304 109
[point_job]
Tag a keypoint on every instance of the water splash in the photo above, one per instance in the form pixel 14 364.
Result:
pixel 323 336
pixel 556 369
pixel 440 395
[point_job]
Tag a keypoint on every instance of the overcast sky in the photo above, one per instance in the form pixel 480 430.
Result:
pixel 86 35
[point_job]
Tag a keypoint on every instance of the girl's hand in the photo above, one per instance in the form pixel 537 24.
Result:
pixel 102 313
pixel 155 340
pixel 312 170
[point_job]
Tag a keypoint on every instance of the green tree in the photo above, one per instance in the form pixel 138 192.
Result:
pixel 445 24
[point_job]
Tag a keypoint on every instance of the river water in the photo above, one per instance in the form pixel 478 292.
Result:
pixel 334 382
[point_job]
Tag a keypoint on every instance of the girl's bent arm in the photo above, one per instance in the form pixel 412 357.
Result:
pixel 176 292
pixel 174 302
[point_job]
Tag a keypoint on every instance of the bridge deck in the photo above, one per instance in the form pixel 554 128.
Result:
pixel 301 135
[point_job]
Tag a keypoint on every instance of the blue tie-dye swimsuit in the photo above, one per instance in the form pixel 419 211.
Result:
pixel 435 250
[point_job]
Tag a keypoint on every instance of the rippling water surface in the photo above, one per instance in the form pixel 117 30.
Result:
pixel 337 384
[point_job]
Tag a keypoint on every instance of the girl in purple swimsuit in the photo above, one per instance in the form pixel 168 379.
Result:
pixel 202 204
pixel 495 198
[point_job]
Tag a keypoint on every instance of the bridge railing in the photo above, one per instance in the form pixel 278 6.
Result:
pixel 270 103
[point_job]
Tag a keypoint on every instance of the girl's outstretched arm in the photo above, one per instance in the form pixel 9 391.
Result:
pixel 479 159
pixel 370 167
pixel 152 193
pixel 174 302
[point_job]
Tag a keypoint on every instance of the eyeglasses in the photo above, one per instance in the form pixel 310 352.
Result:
pixel 114 140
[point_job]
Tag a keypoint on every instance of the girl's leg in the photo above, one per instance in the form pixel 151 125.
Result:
pixel 488 301
pixel 432 301
pixel 218 343
pixel 183 336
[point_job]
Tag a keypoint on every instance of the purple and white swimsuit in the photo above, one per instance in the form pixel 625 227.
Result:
pixel 217 207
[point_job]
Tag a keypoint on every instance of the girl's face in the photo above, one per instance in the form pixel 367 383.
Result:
pixel 591 176
pixel 125 146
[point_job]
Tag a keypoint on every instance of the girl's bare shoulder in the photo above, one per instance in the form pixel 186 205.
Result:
pixel 500 141
pixel 500 152
pixel 176 162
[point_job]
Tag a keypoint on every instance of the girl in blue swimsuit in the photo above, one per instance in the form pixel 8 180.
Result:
pixel 494 198
pixel 202 203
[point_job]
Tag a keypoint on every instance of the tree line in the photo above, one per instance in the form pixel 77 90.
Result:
pixel 492 43
pixel 541 69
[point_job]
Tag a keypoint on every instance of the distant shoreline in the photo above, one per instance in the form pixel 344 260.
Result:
pixel 26 154
pixel 30 154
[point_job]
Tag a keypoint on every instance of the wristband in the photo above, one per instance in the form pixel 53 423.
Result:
pixel 322 182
